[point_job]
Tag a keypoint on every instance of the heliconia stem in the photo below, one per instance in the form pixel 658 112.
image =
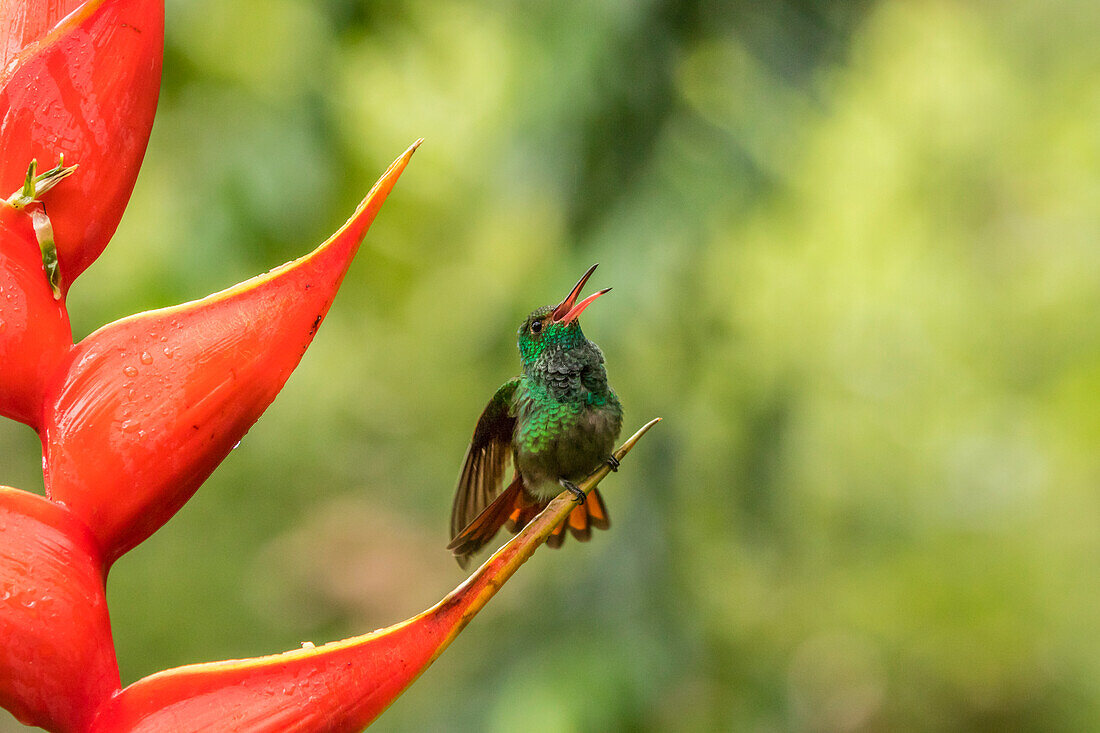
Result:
pixel 339 687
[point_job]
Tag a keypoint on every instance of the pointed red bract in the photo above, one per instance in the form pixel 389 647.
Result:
pixel 57 659
pixel 35 336
pixel 87 90
pixel 335 688
pixel 151 404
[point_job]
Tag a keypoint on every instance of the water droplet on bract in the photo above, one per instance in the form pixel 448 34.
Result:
pixel 236 445
pixel 130 371
pixel 146 357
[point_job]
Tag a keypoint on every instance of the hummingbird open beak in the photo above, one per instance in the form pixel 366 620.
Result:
pixel 569 309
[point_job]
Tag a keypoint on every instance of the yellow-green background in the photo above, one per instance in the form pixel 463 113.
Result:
pixel 855 252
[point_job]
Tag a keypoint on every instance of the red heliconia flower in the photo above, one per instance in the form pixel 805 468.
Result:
pixel 136 416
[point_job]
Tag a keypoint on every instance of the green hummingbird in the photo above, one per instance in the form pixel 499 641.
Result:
pixel 556 422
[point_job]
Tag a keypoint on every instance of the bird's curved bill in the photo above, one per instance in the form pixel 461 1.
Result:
pixel 569 309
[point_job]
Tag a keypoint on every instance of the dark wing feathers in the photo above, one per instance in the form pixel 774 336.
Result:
pixel 486 458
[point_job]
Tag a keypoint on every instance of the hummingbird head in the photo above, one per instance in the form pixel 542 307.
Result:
pixel 555 325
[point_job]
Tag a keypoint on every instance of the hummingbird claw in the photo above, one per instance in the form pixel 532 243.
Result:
pixel 578 495
pixel 613 462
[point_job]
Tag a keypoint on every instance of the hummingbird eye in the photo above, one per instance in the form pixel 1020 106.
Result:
pixel 536 327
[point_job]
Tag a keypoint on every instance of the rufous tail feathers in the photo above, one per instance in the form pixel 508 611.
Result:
pixel 513 509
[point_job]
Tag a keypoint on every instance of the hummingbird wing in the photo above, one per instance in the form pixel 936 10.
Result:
pixel 486 458
pixel 484 526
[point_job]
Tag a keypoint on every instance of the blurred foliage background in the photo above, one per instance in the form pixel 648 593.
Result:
pixel 854 247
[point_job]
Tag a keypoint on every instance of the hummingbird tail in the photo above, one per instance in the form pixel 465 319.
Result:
pixel 592 513
pixel 522 514
pixel 486 524
pixel 513 509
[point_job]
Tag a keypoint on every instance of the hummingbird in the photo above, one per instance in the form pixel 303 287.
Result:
pixel 556 422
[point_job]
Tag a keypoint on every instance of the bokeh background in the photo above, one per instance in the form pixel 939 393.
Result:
pixel 855 249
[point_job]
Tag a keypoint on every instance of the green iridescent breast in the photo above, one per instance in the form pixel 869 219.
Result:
pixel 562 439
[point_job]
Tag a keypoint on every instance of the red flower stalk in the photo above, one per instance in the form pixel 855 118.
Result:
pixel 136 416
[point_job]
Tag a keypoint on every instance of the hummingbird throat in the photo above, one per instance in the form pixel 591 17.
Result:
pixel 554 338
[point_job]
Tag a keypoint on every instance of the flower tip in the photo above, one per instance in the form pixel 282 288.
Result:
pixel 630 442
pixel 369 206
pixel 403 160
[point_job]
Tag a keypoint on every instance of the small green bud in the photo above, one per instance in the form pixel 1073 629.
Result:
pixel 43 231
pixel 35 185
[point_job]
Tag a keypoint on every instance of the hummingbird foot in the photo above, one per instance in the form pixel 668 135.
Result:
pixel 578 495
pixel 613 462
